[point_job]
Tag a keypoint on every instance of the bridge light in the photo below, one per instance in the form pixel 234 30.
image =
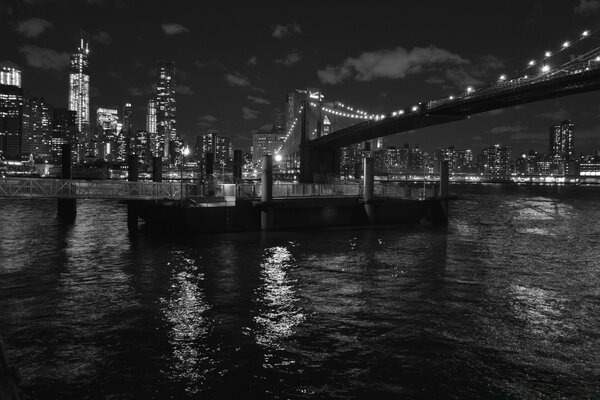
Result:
pixel 531 63
pixel 470 89
pixel 502 77
pixel 597 59
pixel 415 108
pixel 400 112
pixel 545 68
pixel 394 114
pixel 451 97
pixel 547 54
pixel 566 44
pixel 585 33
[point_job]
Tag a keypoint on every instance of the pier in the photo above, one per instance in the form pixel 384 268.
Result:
pixel 229 207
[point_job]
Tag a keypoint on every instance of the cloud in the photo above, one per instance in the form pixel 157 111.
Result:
pixel 268 127
pixel 462 78
pixel 435 80
pixel 249 113
pixel 102 37
pixel 252 60
pixel 475 73
pixel 44 58
pixel 530 136
pixel 391 64
pixel 141 91
pixel 101 3
pixel 506 129
pixel 290 59
pixel 5 9
pixel 281 31
pixel 210 64
pixel 33 27
pixel 557 115
pixel 237 79
pixel 206 121
pixel 174 29
pixel 184 90
pixel 258 100
pixel 587 6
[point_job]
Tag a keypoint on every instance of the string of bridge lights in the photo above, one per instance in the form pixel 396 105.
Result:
pixel 352 109
pixel 544 69
pixel 548 54
pixel 289 132
pixel 347 115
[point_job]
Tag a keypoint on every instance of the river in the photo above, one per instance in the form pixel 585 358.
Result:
pixel 504 302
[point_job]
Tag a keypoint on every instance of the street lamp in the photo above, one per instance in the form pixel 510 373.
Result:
pixel 184 153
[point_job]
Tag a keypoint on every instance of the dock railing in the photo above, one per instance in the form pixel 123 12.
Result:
pixel 124 190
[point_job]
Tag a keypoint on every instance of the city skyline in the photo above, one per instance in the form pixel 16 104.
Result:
pixel 234 93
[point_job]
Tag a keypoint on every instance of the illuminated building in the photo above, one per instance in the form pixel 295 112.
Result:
pixel 140 145
pixel 10 76
pixel 64 130
pixel 107 122
pixel 392 159
pixel 165 110
pixel 527 164
pixel 220 146
pixel 349 157
pixel 562 143
pixel 416 159
pixel 11 113
pixel 264 143
pixel 127 133
pixel 155 144
pixel 79 90
pixel 458 160
pixel 37 126
pixel 278 121
pixel 562 140
pixel 496 161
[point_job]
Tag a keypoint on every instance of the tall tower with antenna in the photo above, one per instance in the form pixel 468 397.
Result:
pixel 79 91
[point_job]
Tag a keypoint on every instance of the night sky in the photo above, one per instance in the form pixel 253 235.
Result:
pixel 235 61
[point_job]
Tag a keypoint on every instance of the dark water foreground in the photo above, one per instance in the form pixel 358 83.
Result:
pixel 503 303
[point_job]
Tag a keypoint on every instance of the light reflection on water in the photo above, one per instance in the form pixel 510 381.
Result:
pixel 278 309
pixel 189 327
pixel 542 310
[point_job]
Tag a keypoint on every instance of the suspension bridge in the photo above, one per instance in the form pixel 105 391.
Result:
pixel 571 69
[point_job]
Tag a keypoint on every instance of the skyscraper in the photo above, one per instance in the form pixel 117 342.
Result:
pixel 107 121
pixel 165 109
pixel 496 161
pixel 37 126
pixel 11 112
pixel 562 140
pixel 220 146
pixel 64 130
pixel 79 90
pixel 154 142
